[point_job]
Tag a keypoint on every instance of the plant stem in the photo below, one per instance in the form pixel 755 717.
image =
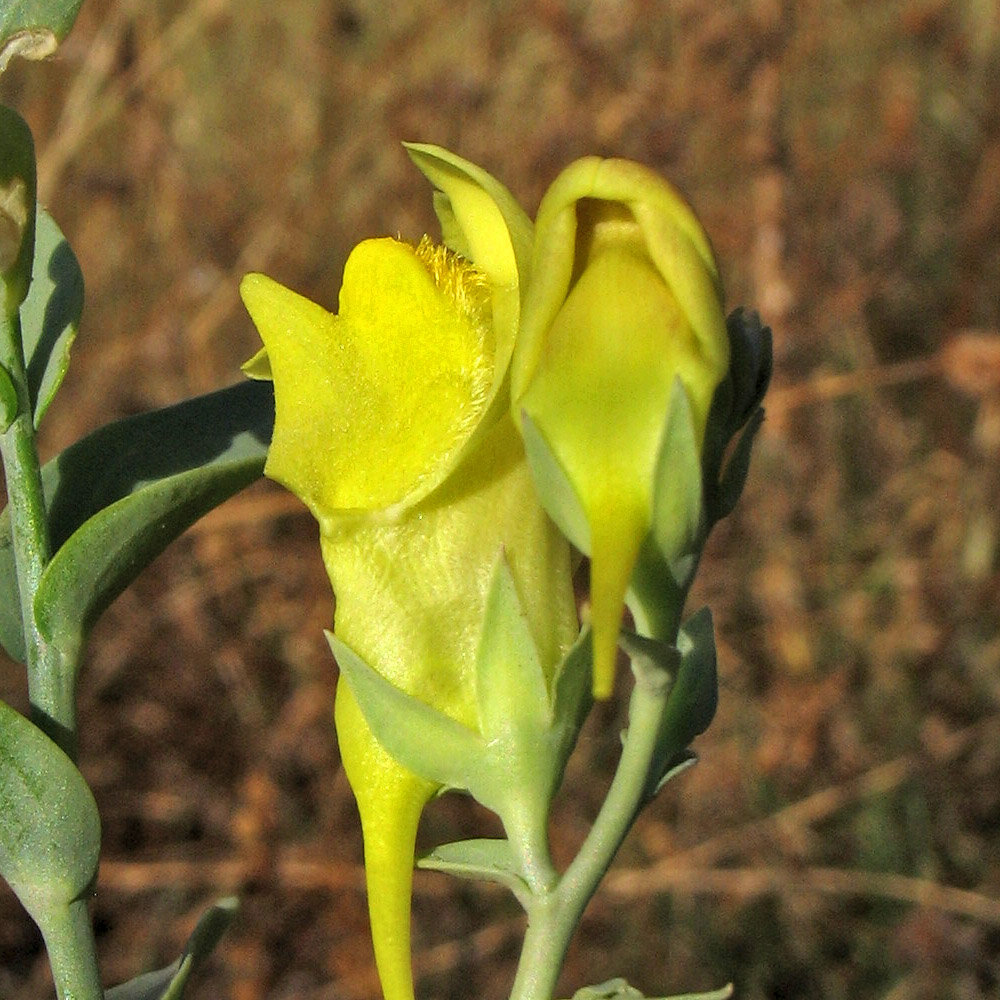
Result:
pixel 69 941
pixel 553 916
pixel 50 682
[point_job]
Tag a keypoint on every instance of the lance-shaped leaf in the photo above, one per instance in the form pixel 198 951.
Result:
pixel 34 28
pixel 484 859
pixel 50 313
pixel 168 983
pixel 119 496
pixel 50 832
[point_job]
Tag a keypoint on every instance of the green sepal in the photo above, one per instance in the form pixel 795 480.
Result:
pixel 555 491
pixel 50 314
pixel 168 983
pixel 487 860
pixel 50 831
pixel 677 490
pixel 8 400
pixel 690 669
pixel 17 200
pixel 119 496
pixel 511 692
pixel 422 739
pixel 528 732
pixel 572 698
pixel 33 29
pixel 619 989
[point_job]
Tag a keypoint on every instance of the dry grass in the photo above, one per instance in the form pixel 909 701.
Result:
pixel 840 835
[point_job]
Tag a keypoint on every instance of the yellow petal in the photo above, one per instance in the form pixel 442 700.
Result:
pixel 374 405
pixel 390 800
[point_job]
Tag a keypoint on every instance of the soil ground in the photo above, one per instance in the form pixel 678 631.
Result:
pixel 839 837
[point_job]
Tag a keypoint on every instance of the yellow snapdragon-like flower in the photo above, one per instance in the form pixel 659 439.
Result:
pixel 622 304
pixel 392 424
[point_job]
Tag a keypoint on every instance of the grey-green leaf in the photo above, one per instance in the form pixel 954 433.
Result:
pixel 34 28
pixel 50 314
pixel 119 496
pixel 169 983
pixel 50 832
pixel 484 859
pixel 422 739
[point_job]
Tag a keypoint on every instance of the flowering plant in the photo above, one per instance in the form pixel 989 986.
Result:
pixel 598 333
pixel 474 411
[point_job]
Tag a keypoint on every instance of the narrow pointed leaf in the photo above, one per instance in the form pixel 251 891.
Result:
pixel 485 860
pixel 160 471
pixel 168 983
pixel 101 559
pixel 424 740
pixel 50 832
pixel 50 313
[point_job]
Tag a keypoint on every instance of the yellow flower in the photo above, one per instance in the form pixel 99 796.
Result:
pixel 392 424
pixel 623 303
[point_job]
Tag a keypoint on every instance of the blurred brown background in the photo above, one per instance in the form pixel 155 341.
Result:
pixel 840 835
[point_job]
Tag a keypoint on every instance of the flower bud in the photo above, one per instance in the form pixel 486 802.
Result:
pixel 621 347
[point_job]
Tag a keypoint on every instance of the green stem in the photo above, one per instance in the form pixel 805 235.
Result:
pixel 69 941
pixel 553 916
pixel 50 679
pixel 527 832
